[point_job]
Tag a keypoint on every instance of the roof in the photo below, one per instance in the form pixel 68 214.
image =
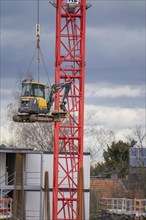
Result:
pixel 108 188
pixel 12 149
pixel 38 83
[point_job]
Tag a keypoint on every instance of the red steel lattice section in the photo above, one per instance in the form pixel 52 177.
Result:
pixel 68 135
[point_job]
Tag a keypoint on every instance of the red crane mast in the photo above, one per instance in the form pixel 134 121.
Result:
pixel 69 133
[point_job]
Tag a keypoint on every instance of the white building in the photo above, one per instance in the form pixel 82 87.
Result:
pixel 32 165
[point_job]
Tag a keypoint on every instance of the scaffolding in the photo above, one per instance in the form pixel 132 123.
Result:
pixel 6 208
pixel 123 206
pixel 14 183
pixel 26 184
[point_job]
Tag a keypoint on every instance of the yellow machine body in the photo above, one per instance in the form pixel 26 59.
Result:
pixel 33 98
pixel 42 103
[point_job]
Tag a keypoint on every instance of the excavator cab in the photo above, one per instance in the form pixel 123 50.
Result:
pixel 33 98
pixel 33 89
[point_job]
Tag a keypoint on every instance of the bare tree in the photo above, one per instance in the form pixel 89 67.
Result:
pixel 138 134
pixel 32 135
pixel 98 138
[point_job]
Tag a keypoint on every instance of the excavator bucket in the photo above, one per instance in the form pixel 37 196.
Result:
pixel 59 114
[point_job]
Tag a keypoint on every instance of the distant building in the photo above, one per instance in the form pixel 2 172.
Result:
pixel 137 157
pixel 108 188
pixel 137 170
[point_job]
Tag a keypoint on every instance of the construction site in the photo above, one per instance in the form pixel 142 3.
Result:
pixel 43 185
pixel 56 185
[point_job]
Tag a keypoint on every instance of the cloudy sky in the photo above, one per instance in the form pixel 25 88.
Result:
pixel 115 87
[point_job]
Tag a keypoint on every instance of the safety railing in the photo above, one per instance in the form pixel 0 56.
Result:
pixel 5 208
pixel 11 182
pixel 30 178
pixel 140 207
pixel 7 180
pixel 136 207
pixel 2 179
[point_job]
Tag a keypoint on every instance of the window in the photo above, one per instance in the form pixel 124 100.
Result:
pixel 35 90
pixel 25 90
pixel 38 90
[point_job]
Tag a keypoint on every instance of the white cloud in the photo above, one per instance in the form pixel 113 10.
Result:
pixel 122 134
pixel 4 133
pixel 115 118
pixel 113 91
pixel 121 121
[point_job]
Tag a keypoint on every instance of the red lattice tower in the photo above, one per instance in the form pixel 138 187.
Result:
pixel 68 135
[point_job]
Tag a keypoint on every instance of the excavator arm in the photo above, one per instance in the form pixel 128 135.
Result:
pixel 54 89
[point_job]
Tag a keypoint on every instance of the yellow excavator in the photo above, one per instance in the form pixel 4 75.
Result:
pixel 36 101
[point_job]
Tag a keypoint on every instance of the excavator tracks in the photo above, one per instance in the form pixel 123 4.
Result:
pixel 55 116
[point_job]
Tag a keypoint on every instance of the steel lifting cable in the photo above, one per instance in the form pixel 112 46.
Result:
pixel 27 72
pixel 38 51
pixel 38 40
pixel 38 44
pixel 45 68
